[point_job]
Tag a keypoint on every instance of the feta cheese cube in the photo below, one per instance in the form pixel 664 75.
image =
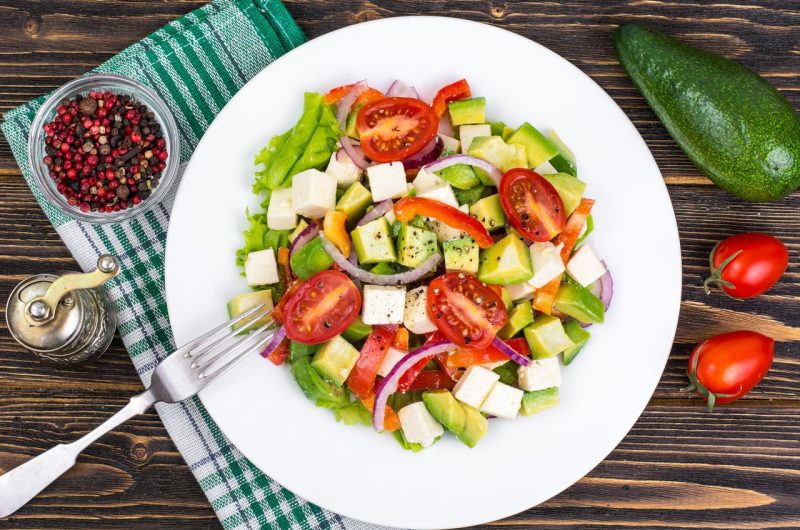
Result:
pixel 584 267
pixel 387 181
pixel 426 180
pixel 392 357
pixel 343 169
pixel 546 168
pixel 260 268
pixel 540 374
pixel 443 193
pixel 475 385
pixel 547 263
pixel 419 426
pixel 492 366
pixel 280 212
pixel 415 317
pixel 450 143
pixel 503 401
pixel 445 232
pixel 313 193
pixel 468 132
pixel 383 304
pixel 521 291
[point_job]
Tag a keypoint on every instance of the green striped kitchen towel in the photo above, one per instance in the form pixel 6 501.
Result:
pixel 196 62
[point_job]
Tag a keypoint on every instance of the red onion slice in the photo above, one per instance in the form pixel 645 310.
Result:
pixel 382 208
pixel 426 155
pixel 446 126
pixel 357 156
pixel 353 259
pixel 388 386
pixel 308 233
pixel 398 89
pixel 452 160
pixel 606 287
pixel 355 152
pixel 277 338
pixel 360 274
pixel 510 352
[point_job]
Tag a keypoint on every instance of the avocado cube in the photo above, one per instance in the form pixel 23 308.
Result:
pixel 242 302
pixel 489 211
pixel 357 330
pixel 460 176
pixel 519 317
pixel 569 188
pixel 373 242
pixel 537 147
pixel 354 202
pixel 507 261
pixel 505 295
pixel 579 336
pixel 334 360
pixel 475 426
pixel 546 337
pixel 461 255
pixel 310 259
pixel 466 111
pixel 564 161
pixel 498 153
pixel 415 245
pixel 350 128
pixel 578 302
pixel 539 400
pixel 446 409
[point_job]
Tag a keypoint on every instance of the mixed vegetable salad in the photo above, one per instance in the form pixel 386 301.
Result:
pixel 426 266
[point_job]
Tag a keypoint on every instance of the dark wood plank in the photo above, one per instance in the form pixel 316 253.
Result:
pixel 679 466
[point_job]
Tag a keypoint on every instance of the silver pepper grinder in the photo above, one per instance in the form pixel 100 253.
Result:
pixel 64 320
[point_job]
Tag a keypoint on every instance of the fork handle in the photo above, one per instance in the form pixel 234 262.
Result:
pixel 24 482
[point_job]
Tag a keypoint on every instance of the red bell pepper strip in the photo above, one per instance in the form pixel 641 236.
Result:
pixel 466 357
pixel 458 90
pixel 406 209
pixel 432 380
pixel 546 295
pixel 279 354
pixel 362 377
pixel 335 95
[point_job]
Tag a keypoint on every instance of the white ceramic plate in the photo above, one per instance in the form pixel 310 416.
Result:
pixel 352 470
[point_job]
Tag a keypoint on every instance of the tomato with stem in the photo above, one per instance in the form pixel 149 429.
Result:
pixel 747 265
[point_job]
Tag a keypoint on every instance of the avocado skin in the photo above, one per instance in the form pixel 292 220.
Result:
pixel 738 129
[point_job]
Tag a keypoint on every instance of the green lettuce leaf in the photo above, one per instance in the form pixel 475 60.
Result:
pixel 405 444
pixel 263 162
pixel 322 143
pixel 259 237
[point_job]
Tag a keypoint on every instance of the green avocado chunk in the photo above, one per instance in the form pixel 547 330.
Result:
pixel 537 146
pixel 460 176
pixel 546 337
pixel 242 302
pixel 519 317
pixel 447 411
pixel 579 336
pixel 315 388
pixel 373 242
pixel 357 330
pixel 461 254
pixel 578 302
pixel 334 360
pixel 535 402
pixel 740 131
pixel 310 259
pixel 498 153
pixel 415 245
pixel 489 211
pixel 475 426
pixel 354 202
pixel 564 161
pixel 467 111
pixel 507 261
pixel 569 188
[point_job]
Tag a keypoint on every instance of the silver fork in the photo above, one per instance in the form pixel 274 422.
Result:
pixel 180 376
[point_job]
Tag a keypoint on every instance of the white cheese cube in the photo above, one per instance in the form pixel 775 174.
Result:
pixel 442 193
pixel 503 401
pixel 469 132
pixel 521 291
pixel 387 181
pixel 415 317
pixel 426 180
pixel 260 268
pixel 584 267
pixel 343 169
pixel 445 232
pixel 280 212
pixel 547 263
pixel 392 357
pixel 492 366
pixel 313 193
pixel 475 385
pixel 383 304
pixel 546 168
pixel 540 374
pixel 419 426
pixel 450 143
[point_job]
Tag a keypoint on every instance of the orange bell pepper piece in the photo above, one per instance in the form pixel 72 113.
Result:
pixel 334 229
pixel 391 421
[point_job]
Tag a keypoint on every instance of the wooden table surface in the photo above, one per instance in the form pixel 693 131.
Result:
pixel 678 467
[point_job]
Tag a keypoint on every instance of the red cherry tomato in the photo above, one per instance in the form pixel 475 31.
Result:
pixel 465 310
pixel 726 367
pixel 452 92
pixel 532 204
pixel 393 129
pixel 747 265
pixel 321 308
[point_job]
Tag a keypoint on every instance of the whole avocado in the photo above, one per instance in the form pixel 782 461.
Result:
pixel 738 129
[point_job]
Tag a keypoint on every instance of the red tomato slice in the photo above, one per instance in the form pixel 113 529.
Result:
pixel 532 204
pixel 452 92
pixel 466 357
pixel 465 310
pixel 409 207
pixel 432 380
pixel 279 354
pixel 362 377
pixel 393 129
pixel 321 308
pixel 335 95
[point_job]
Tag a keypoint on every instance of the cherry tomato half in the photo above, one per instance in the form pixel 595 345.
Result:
pixel 532 204
pixel 747 265
pixel 726 367
pixel 393 129
pixel 467 311
pixel 321 308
